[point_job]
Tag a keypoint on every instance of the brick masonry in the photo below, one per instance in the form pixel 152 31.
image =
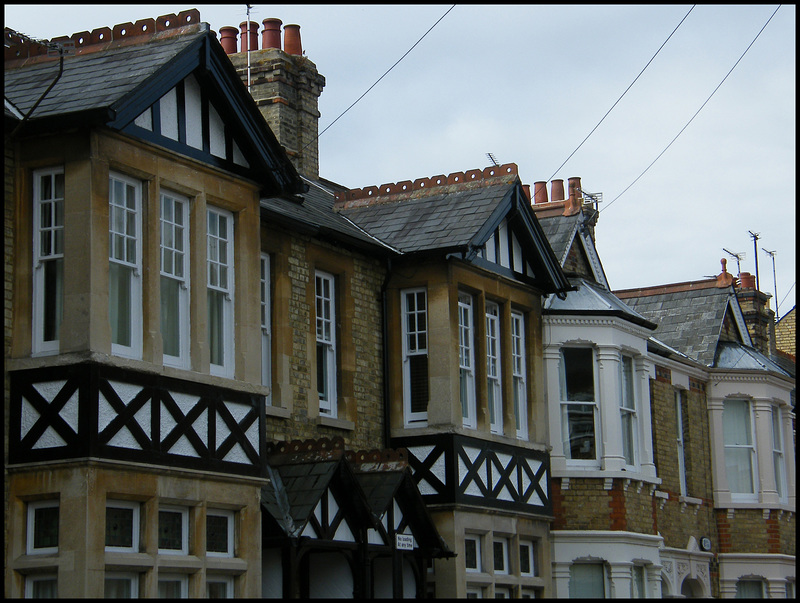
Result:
pixel 786 334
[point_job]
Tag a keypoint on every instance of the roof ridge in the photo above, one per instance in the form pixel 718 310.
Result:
pixel 669 288
pixel 358 197
pixel 20 47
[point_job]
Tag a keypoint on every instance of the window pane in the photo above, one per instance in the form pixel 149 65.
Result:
pixel 53 298
pixel 170 530
pixel 216 327
pixel 217 534
pixel 525 555
pixel 627 436
pixel 579 374
pixel 119 527
pixel 586 581
pixel 627 383
pixel 43 588
pixel 418 369
pixel 750 589
pixel 119 302
pixel 118 588
pixel 170 316
pixel 736 422
pixel 579 431
pixel 499 556
pixel 471 553
pixel 45 527
pixel 169 589
pixel 217 590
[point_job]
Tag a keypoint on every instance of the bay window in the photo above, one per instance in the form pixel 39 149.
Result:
pixel 326 343
pixel 48 259
pixel 466 360
pixel 175 279
pixel 219 242
pixel 518 375
pixel 740 451
pixel 578 404
pixel 415 356
pixel 493 368
pixel 125 265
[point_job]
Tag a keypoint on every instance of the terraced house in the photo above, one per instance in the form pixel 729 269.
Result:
pixel 226 376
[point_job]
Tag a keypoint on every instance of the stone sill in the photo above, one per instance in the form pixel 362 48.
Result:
pixel 335 423
pixel 278 412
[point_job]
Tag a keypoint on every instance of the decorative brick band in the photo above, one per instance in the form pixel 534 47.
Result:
pixel 333 448
pixel 423 184
pixel 696 385
pixel 663 374
pixel 19 48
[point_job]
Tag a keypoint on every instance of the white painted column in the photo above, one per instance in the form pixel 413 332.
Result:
pixel 609 430
pixel 789 453
pixel 621 580
pixel 642 368
pixel 722 491
pixel 551 358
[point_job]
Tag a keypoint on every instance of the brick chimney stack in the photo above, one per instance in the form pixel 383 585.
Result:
pixel 285 85
pixel 758 317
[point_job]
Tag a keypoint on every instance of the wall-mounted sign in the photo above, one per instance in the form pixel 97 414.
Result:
pixel 404 542
pixel 705 543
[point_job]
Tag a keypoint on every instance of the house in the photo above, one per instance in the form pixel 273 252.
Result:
pixel 750 422
pixel 606 489
pixel 191 327
pixel 464 384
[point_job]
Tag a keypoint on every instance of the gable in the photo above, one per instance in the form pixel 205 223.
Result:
pixel 729 331
pixel 576 263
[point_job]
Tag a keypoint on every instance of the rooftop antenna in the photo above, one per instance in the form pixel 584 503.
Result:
pixel 774 279
pixel 755 250
pixel 492 159
pixel 739 257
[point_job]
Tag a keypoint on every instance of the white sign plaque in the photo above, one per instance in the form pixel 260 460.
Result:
pixel 403 542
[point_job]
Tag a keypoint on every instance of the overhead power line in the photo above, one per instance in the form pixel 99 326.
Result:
pixel 623 94
pixel 695 115
pixel 383 76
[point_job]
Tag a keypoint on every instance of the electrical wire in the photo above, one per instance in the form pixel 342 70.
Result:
pixel 695 115
pixel 623 94
pixel 380 78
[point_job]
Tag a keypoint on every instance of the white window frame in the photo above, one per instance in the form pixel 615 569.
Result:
pixel 131 577
pixel 567 404
pixel 503 546
pixel 266 325
pixel 30 526
pixel 519 372
pixel 502 592
pixel 325 318
pixel 494 368
pixel 527 550
pixel 476 538
pixel 754 580
pixel 174 265
pixel 135 507
pixel 680 441
pixel 183 579
pixel 415 343
pixel 220 579
pixel 732 447
pixel 134 350
pixel 778 459
pixel 638 581
pixel 53 238
pixel 627 409
pixel 476 591
pixel 32 578
pixel 230 516
pixel 220 280
pixel 184 513
pixel 574 580
pixel 466 360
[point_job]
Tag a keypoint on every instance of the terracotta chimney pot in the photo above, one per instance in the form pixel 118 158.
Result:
pixel 540 192
pixel 557 190
pixel 747 281
pixel 227 37
pixel 724 278
pixel 527 188
pixel 271 36
pixel 291 40
pixel 249 38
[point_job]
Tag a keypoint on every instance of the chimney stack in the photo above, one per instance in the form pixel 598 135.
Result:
pixel 285 86
pixel 271 36
pixel 758 317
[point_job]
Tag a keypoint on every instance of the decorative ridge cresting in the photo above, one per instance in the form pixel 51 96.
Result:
pixel 362 196
pixel 20 48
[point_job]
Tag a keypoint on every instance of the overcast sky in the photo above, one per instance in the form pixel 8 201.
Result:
pixel 528 83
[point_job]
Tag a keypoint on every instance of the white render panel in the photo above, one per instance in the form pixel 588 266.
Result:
pixel 124 439
pixel 194 116
pixel 49 439
pixel 29 416
pixel 169 114
pixel 145 120
pixel 216 132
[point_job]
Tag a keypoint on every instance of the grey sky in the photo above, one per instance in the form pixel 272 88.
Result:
pixel 528 83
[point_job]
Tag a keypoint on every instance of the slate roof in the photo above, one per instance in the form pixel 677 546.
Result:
pixel 560 231
pixel 95 80
pixel 449 219
pixel 689 320
pixel 316 216
pixel 592 298
pixel 735 356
